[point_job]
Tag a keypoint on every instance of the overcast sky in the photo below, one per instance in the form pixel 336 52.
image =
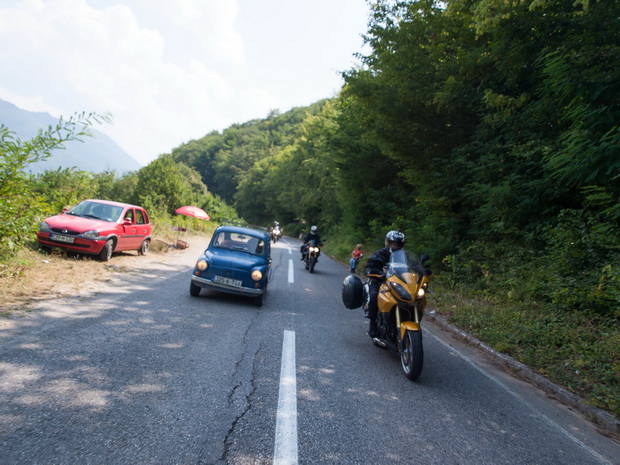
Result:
pixel 169 71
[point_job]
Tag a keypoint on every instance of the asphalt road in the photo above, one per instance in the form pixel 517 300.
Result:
pixel 143 373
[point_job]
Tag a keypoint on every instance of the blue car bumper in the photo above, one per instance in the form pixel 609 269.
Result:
pixel 207 283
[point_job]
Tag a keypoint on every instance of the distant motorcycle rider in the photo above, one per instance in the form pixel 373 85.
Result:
pixel 313 235
pixel 275 231
pixel 394 240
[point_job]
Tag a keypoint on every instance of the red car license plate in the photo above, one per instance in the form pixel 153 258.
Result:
pixel 67 239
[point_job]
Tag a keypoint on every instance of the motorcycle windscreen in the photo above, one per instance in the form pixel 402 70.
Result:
pixel 405 266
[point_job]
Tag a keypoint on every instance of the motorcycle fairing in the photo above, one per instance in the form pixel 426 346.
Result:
pixel 313 249
pixel 385 300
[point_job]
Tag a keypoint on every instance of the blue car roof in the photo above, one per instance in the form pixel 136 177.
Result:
pixel 243 230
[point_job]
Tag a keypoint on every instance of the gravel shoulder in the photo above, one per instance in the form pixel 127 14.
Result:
pixel 51 277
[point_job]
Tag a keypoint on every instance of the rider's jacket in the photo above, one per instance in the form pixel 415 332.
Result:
pixel 377 261
pixel 309 237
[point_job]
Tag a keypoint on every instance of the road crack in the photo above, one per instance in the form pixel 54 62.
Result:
pixel 243 385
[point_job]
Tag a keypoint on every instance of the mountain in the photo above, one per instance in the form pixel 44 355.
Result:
pixel 95 154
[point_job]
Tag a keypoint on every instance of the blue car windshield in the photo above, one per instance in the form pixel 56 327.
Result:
pixel 240 242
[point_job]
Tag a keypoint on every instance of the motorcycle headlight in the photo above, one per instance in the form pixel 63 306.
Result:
pixel 401 291
pixel 202 265
pixel 93 234
pixel 422 290
pixel 257 275
pixel 44 226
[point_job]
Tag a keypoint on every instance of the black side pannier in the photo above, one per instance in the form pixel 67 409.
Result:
pixel 352 292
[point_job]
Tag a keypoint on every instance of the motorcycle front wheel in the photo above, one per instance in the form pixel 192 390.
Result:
pixel 311 264
pixel 412 354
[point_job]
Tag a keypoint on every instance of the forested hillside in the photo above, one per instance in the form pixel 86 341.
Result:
pixel 488 132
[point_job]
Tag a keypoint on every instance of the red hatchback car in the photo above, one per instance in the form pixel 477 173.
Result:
pixel 98 227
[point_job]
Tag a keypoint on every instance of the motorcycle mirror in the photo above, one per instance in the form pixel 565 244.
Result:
pixel 424 258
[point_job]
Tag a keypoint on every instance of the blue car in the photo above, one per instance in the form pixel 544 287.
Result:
pixel 237 261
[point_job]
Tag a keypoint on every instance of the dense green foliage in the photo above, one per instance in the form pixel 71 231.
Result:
pixel 498 144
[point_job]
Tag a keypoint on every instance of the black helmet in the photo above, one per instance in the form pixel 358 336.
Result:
pixel 395 237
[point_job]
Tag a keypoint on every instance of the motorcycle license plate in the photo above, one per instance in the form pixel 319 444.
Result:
pixel 227 281
pixel 67 239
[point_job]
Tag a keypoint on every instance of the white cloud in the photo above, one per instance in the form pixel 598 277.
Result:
pixel 196 27
pixel 106 61
pixel 169 71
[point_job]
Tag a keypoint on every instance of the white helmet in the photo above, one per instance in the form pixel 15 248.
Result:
pixel 395 237
pixel 314 229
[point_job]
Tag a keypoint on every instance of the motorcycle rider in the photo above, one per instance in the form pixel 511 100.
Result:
pixel 394 240
pixel 313 235
pixel 275 229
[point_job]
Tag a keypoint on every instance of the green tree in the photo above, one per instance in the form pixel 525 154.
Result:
pixel 162 186
pixel 20 210
pixel 294 182
pixel 122 189
pixel 64 188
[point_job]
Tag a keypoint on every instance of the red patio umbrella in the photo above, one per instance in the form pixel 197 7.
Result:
pixel 196 212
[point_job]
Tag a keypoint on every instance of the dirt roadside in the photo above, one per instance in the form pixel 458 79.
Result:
pixel 57 275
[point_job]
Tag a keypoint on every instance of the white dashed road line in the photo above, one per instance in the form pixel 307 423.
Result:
pixel 291 274
pixel 285 450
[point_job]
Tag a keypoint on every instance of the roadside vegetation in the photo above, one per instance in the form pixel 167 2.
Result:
pixel 486 131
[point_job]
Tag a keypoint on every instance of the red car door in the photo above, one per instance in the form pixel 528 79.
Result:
pixel 143 224
pixel 130 238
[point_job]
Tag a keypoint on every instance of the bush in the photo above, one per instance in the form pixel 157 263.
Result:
pixel 582 268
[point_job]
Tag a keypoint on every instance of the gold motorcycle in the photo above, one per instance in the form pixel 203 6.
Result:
pixel 401 302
